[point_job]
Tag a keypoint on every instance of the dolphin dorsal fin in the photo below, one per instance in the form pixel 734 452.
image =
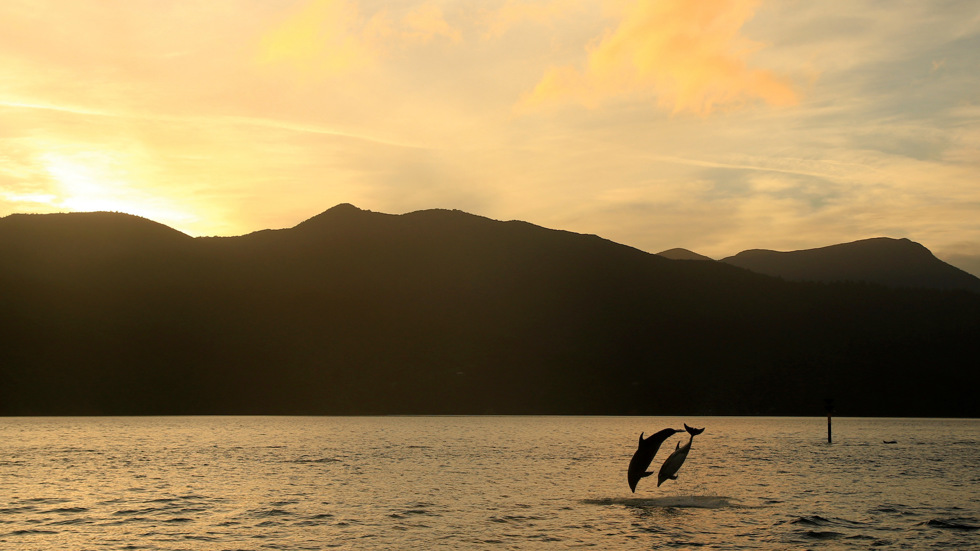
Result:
pixel 641 438
pixel 677 446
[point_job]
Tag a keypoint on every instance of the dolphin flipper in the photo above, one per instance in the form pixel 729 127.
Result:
pixel 646 474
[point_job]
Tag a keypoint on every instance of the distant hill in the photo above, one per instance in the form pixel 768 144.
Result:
pixel 438 311
pixel 682 254
pixel 891 262
pixel 85 231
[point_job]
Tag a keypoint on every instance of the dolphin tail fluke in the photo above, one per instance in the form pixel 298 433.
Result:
pixel 692 431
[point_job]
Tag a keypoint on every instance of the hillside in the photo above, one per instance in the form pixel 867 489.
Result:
pixel 891 262
pixel 682 254
pixel 355 312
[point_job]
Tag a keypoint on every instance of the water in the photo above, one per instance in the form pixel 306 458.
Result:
pixel 228 483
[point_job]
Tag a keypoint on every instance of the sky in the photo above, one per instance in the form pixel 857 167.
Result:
pixel 715 126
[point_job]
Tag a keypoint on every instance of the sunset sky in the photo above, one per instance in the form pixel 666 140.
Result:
pixel 716 126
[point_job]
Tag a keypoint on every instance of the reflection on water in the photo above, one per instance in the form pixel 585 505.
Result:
pixel 698 502
pixel 483 482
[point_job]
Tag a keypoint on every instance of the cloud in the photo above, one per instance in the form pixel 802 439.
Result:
pixel 329 37
pixel 427 22
pixel 515 12
pixel 322 35
pixel 689 55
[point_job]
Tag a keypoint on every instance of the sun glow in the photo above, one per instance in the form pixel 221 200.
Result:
pixel 654 123
pixel 94 181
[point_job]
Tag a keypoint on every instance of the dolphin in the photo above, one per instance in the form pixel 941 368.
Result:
pixel 676 459
pixel 646 449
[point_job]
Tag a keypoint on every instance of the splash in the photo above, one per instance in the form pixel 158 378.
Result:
pixel 680 502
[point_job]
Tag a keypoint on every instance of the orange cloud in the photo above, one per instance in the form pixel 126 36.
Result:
pixel 689 55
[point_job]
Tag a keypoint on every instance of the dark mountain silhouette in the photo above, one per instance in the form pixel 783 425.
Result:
pixel 682 254
pixel 891 262
pixel 85 233
pixel 355 312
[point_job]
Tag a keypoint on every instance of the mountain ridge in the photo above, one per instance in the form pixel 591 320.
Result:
pixel 447 312
pixel 683 254
pixel 796 265
pixel 887 261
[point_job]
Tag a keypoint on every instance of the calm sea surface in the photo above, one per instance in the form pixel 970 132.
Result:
pixel 224 483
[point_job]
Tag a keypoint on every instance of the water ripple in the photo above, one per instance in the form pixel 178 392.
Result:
pixel 201 484
pixel 952 524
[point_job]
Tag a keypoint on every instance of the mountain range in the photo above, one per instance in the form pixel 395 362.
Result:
pixel 896 263
pixel 444 312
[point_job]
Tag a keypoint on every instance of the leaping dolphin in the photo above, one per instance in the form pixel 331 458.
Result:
pixel 646 449
pixel 676 459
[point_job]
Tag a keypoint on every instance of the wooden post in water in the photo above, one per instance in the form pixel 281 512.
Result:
pixel 829 403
